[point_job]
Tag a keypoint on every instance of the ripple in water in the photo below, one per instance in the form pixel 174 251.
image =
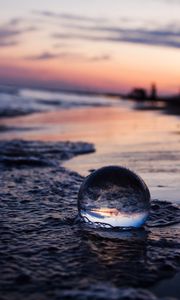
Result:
pixel 114 197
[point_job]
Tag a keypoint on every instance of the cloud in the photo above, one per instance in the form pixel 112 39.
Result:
pixel 94 29
pixel 79 36
pixel 168 36
pixel 43 56
pixel 68 55
pixel 7 43
pixel 68 17
pixel 100 58
pixel 11 32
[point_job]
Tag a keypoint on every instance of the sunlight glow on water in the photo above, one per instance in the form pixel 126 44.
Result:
pixel 114 196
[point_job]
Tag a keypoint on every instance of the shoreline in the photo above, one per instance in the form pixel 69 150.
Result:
pixel 38 205
pixel 42 244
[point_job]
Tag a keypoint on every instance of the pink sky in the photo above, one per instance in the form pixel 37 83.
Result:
pixel 108 46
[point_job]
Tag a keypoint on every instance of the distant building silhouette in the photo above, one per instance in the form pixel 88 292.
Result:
pixel 138 94
pixel 153 92
pixel 141 94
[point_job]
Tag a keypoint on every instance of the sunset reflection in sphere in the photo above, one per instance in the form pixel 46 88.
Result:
pixel 114 196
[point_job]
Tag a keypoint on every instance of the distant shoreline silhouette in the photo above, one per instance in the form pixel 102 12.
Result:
pixel 139 94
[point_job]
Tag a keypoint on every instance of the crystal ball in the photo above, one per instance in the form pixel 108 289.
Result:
pixel 114 196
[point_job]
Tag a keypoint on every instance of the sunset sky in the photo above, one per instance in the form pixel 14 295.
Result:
pixel 108 45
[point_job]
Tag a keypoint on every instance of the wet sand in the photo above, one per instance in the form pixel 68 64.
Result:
pixel 147 142
pixel 46 253
pixel 43 252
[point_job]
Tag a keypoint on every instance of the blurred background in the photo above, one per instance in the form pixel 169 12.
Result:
pixel 96 45
pixel 101 71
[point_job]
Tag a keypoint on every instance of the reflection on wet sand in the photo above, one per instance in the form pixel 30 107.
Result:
pixel 135 139
pixel 117 261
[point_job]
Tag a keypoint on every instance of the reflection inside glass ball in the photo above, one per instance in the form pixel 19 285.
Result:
pixel 114 197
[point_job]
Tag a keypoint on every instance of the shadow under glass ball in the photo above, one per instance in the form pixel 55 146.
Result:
pixel 114 197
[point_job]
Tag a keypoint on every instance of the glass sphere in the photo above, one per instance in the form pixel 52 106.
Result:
pixel 114 197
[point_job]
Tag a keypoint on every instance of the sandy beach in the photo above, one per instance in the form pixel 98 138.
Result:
pixel 90 150
pixel 45 251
